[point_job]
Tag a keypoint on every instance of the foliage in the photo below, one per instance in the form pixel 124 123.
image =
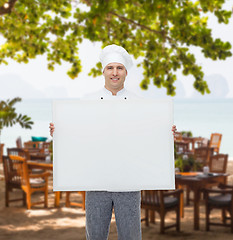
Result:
pixel 161 32
pixel 8 116
pixel 186 133
pixel 187 163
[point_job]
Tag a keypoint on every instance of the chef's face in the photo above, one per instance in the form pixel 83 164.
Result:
pixel 114 74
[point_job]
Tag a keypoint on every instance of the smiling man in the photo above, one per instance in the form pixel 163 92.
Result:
pixel 99 204
pixel 115 63
pixel 114 74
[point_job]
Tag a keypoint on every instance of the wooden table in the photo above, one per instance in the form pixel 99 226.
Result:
pixel 192 141
pixel 46 166
pixel 196 182
pixel 38 156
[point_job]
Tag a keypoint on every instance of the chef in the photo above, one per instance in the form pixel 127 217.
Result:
pixel 115 63
pixel 99 204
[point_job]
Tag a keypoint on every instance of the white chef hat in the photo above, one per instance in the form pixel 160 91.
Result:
pixel 115 54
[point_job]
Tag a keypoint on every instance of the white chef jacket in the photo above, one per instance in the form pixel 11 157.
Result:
pixel 106 94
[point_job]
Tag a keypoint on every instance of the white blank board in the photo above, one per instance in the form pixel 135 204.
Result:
pixel 113 145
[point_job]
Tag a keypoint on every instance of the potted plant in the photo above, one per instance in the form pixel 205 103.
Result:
pixel 187 163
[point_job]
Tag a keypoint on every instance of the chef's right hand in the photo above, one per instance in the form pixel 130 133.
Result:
pixel 51 126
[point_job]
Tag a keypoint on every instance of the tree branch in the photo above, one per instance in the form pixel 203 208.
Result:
pixel 7 9
pixel 163 33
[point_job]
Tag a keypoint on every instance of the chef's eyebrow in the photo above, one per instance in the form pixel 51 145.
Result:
pixel 119 66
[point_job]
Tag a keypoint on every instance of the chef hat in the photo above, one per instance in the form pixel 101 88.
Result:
pixel 115 54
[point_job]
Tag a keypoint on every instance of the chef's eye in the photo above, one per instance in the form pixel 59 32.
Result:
pixel 120 68
pixel 110 67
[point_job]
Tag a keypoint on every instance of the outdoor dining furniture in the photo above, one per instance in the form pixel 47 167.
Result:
pixel 38 156
pixel 42 145
pixel 38 150
pixel 197 182
pixel 182 148
pixel 215 141
pixel 194 142
pixel 25 154
pixel 218 163
pixel 71 203
pixel 186 145
pixel 40 164
pixel 29 154
pixel 19 142
pixel 1 151
pixel 31 145
pixel 49 166
pixel 12 182
pixel 18 152
pixel 45 165
pixel 201 156
pixel 161 202
pixel 30 183
pixel 221 198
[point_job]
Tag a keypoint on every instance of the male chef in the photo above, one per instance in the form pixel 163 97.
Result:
pixel 99 204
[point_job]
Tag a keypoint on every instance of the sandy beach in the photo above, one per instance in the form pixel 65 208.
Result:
pixel 18 223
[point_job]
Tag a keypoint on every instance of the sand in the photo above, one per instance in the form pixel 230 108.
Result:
pixel 18 223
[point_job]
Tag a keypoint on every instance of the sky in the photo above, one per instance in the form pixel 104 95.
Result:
pixel 34 80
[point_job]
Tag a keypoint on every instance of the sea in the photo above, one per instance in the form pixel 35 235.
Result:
pixel 201 117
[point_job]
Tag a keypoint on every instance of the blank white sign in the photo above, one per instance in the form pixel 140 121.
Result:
pixel 113 145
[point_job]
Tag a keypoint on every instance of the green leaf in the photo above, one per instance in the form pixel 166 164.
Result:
pixel 9 117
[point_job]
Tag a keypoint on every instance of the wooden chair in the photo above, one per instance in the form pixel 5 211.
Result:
pixel 218 163
pixel 18 152
pixel 215 141
pixel 12 181
pixel 25 154
pixel 161 202
pixel 202 156
pixel 222 199
pixel 69 203
pixel 29 154
pixel 19 142
pixel 30 183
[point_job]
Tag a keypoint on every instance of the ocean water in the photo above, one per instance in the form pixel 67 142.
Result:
pixel 201 117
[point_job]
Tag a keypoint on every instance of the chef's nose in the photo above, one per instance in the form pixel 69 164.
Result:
pixel 114 71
